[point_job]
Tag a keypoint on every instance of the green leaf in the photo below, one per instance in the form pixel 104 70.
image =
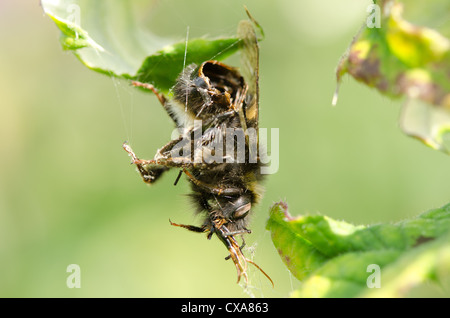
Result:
pixel 405 60
pixel 428 262
pixel 331 257
pixel 106 38
pixel 170 60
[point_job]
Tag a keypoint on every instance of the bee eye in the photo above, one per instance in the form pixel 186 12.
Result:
pixel 242 211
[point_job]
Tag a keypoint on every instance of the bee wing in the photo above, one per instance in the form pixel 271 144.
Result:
pixel 250 69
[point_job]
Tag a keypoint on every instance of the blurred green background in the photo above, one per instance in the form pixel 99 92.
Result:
pixel 68 193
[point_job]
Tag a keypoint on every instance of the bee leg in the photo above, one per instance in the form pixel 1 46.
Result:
pixel 243 243
pixel 149 173
pixel 163 161
pixel 212 189
pixel 192 228
pixel 162 99
pixel 169 146
pixel 243 231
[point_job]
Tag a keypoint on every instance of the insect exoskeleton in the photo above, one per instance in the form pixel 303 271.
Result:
pixel 215 108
